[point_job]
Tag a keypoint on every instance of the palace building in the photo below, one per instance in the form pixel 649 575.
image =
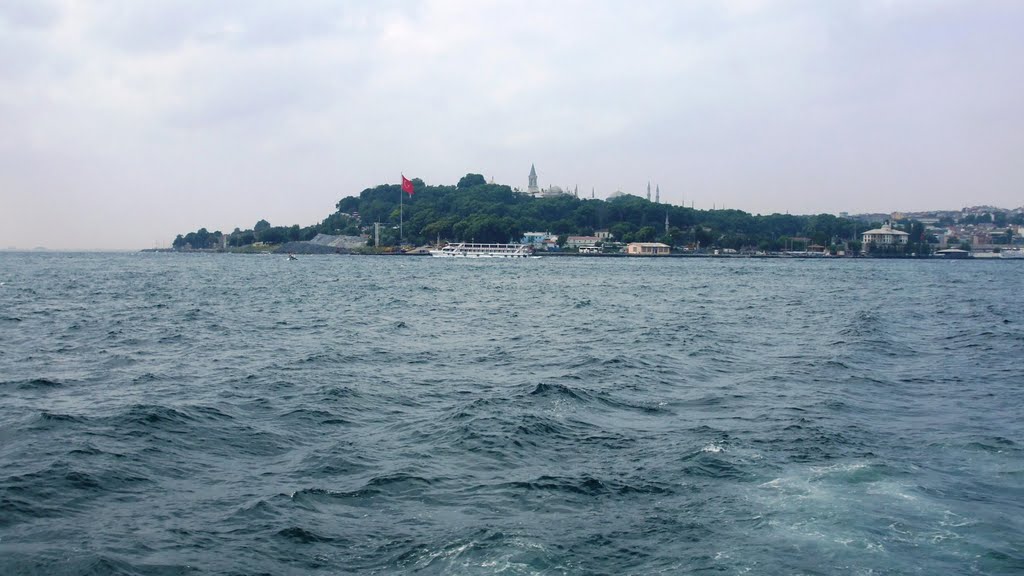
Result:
pixel 884 236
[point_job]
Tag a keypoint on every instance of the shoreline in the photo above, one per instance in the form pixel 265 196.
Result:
pixel 769 256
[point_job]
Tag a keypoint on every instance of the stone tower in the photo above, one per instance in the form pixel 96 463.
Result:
pixel 533 188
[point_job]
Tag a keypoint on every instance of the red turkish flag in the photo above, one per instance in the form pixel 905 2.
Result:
pixel 406 185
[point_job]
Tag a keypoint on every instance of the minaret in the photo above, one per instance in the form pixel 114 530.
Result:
pixel 657 195
pixel 648 190
pixel 532 188
pixel 591 192
pixel 576 191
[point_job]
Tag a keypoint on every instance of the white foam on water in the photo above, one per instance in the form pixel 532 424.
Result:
pixel 891 490
pixel 460 557
pixel 818 507
pixel 857 513
pixel 838 468
pixel 713 448
pixel 447 553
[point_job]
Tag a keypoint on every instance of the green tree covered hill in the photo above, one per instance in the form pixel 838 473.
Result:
pixel 474 210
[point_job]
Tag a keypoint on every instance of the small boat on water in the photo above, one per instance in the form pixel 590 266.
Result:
pixel 1011 253
pixel 470 250
pixel 292 257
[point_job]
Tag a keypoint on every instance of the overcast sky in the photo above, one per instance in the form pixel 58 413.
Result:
pixel 124 123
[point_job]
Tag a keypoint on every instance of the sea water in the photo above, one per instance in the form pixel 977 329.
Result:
pixel 243 414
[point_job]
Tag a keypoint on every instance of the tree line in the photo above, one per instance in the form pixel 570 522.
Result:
pixel 476 211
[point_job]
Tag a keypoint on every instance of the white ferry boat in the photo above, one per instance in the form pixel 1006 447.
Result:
pixel 468 250
pixel 1011 253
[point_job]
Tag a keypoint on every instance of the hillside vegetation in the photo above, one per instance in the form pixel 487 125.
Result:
pixel 474 210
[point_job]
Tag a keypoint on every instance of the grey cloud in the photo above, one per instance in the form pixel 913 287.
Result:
pixel 167 26
pixel 28 14
pixel 758 104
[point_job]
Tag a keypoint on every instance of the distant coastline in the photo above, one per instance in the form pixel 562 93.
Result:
pixel 391 218
pixel 671 256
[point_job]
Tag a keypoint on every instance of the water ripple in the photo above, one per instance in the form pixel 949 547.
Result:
pixel 228 414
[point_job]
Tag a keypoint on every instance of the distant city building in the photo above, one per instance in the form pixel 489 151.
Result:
pixel 941 234
pixel 1001 236
pixel 532 188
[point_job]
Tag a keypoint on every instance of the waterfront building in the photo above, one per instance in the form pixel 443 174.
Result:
pixel 953 253
pixel 581 241
pixel 647 248
pixel 535 239
pixel 884 236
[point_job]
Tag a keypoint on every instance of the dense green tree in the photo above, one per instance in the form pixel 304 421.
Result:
pixel 243 238
pixel 471 180
pixel 702 236
pixel 675 236
pixel 273 235
pixel 645 234
pixel 621 229
pixel 476 210
pixel 201 239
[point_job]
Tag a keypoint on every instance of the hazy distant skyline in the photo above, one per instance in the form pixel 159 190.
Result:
pixel 125 123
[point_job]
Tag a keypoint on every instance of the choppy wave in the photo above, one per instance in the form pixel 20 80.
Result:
pixel 200 414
